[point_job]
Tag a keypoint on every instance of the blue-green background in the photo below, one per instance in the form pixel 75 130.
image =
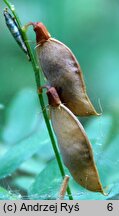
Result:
pixel 90 28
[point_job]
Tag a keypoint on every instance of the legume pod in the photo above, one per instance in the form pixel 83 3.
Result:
pixel 63 72
pixel 76 150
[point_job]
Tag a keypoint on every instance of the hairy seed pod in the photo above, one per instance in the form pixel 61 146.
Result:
pixel 74 145
pixel 62 72
pixel 15 31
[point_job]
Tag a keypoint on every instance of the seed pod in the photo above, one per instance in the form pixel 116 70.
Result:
pixel 74 145
pixel 15 31
pixel 63 72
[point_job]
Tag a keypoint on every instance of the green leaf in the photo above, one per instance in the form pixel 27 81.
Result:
pixel 23 182
pixel 26 133
pixel 1 107
pixel 32 166
pixel 21 116
pixel 47 183
pixel 98 128
pixel 108 163
pixel 8 195
pixel 116 196
pixel 23 150
pixel 98 131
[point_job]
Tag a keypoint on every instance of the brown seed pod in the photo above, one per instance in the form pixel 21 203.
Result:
pixel 62 72
pixel 74 145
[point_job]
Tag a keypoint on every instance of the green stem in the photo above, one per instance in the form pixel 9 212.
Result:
pixel 37 78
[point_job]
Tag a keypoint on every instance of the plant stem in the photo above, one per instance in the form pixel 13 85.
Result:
pixel 40 96
pixel 37 77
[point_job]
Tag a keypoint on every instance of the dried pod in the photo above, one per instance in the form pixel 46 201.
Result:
pixel 15 31
pixel 63 72
pixel 74 145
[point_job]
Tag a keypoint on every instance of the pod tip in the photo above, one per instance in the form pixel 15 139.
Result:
pixel 42 34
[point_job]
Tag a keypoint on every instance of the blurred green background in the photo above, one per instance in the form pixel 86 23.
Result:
pixel 90 28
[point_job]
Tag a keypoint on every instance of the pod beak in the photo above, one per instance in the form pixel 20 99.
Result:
pixel 42 34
